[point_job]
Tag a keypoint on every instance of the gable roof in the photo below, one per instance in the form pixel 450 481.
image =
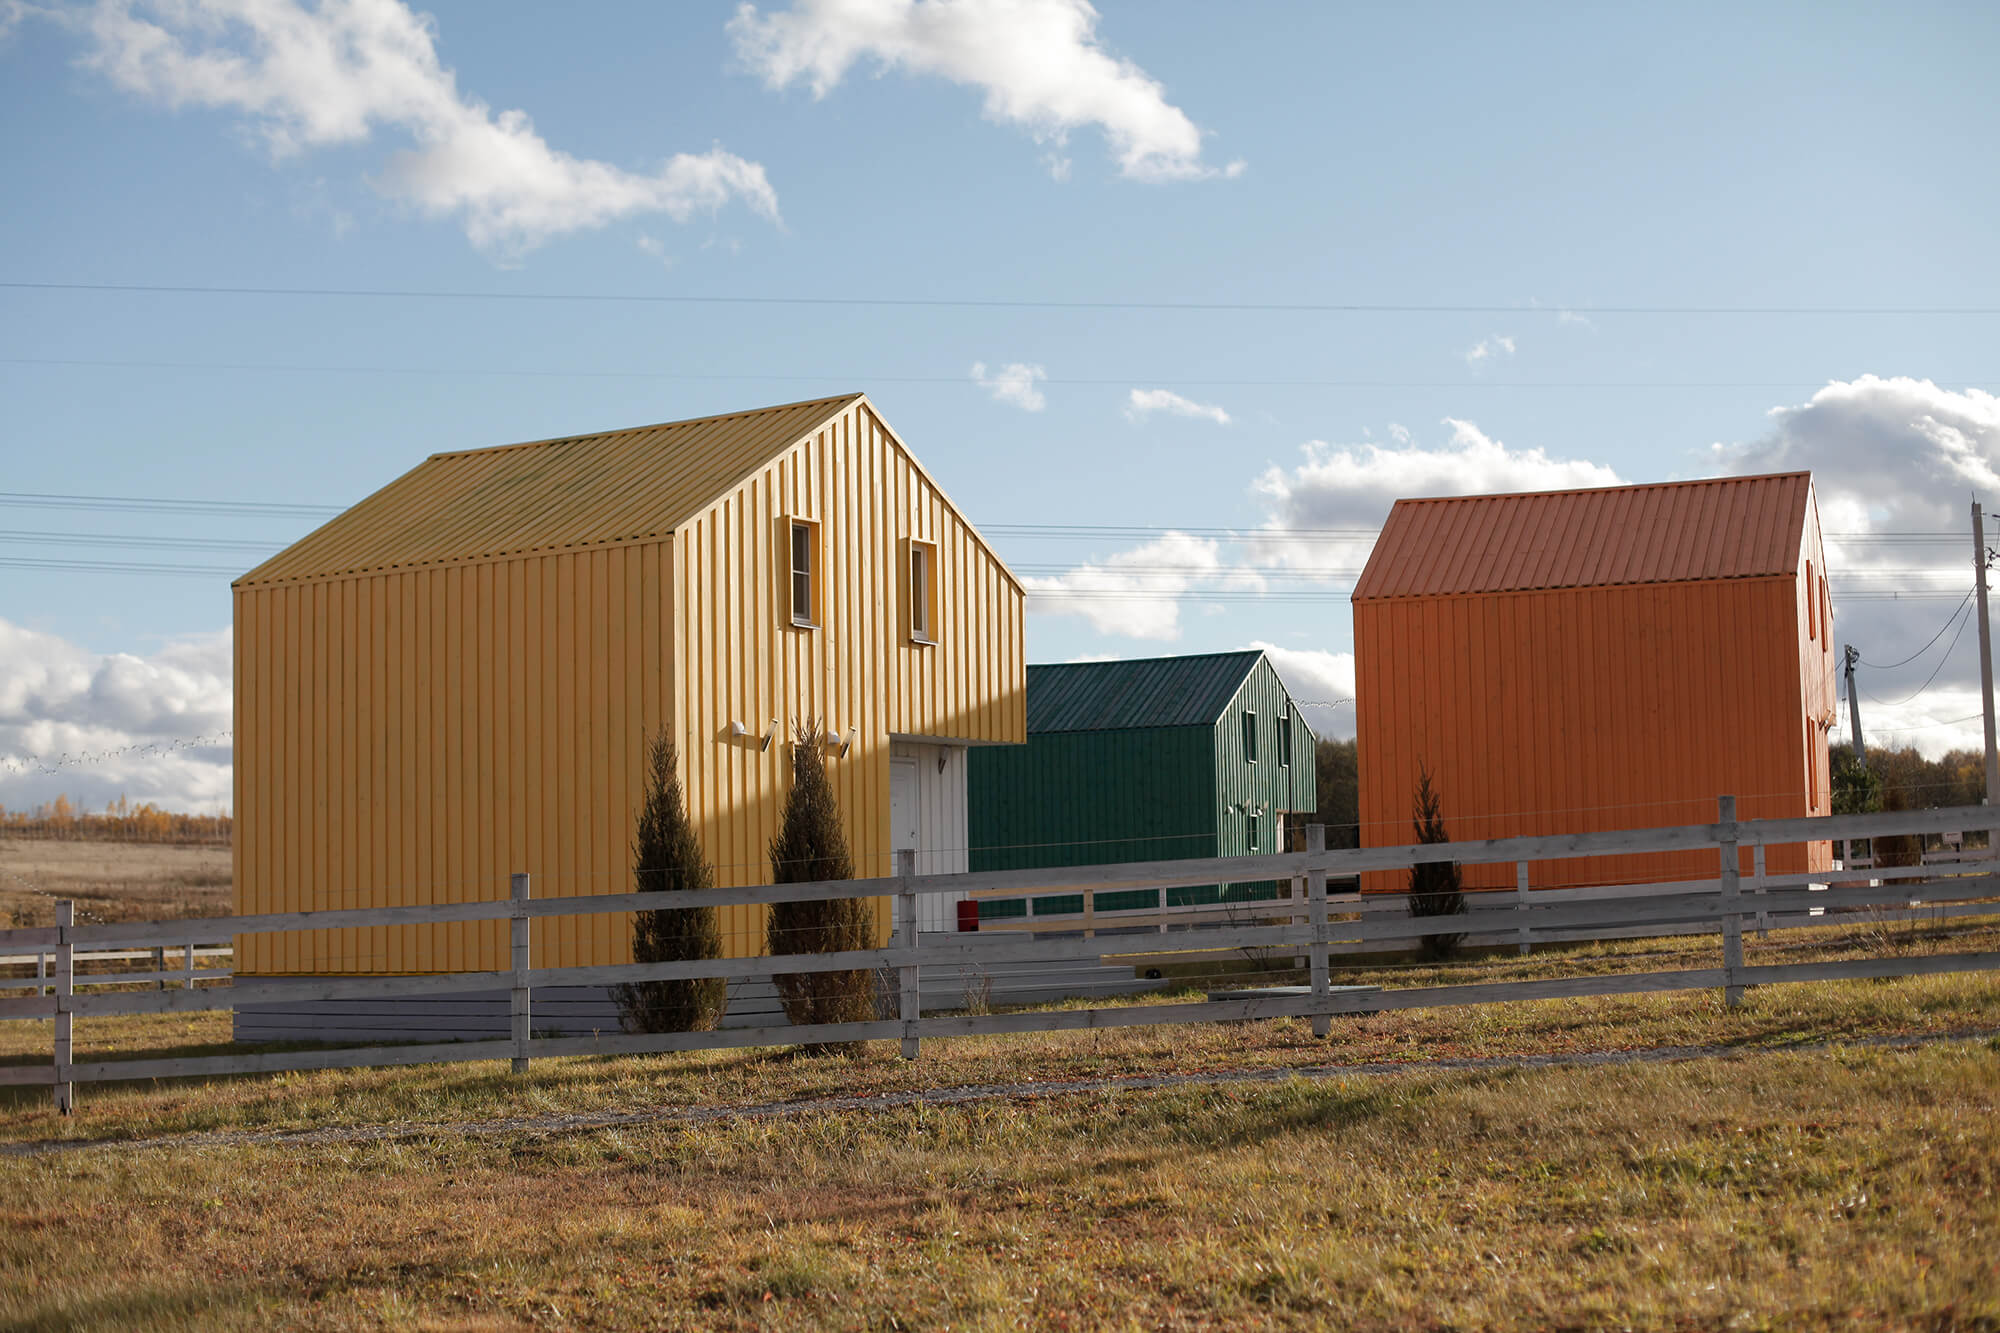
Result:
pixel 1143 692
pixel 579 490
pixel 1666 532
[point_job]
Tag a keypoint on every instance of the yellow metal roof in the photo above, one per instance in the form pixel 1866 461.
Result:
pixel 581 490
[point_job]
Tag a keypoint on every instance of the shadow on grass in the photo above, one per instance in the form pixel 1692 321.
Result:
pixel 141 1307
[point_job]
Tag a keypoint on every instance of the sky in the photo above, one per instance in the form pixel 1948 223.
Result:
pixel 1201 288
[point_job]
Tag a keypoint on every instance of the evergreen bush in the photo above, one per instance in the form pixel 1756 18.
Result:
pixel 1435 887
pixel 666 856
pixel 812 846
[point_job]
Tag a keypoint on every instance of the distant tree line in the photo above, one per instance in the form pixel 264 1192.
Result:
pixel 120 821
pixel 1905 780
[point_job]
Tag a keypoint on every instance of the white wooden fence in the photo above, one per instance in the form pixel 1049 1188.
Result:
pixel 1727 903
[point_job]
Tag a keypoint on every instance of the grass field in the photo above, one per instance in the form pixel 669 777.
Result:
pixel 1775 1189
pixel 110 881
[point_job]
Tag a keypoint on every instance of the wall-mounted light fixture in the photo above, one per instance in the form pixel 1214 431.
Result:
pixel 769 736
pixel 848 744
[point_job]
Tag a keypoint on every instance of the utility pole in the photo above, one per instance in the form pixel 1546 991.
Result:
pixel 1985 653
pixel 1854 704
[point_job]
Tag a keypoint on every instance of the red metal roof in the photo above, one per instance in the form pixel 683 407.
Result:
pixel 1664 532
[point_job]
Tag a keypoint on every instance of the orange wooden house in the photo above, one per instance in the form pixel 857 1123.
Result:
pixel 1578 661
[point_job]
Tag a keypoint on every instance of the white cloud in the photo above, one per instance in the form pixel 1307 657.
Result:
pixel 339 73
pixel 1013 383
pixel 1322 682
pixel 60 703
pixel 1135 593
pixel 1144 402
pixel 1139 593
pixel 1576 318
pixel 1039 63
pixel 1486 349
pixel 1354 485
pixel 1904 456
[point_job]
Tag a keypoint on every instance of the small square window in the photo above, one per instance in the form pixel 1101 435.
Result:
pixel 805 581
pixel 1250 737
pixel 922 592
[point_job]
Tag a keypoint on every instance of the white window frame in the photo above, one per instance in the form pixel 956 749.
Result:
pixel 807 617
pixel 922 602
pixel 1285 738
pixel 1249 736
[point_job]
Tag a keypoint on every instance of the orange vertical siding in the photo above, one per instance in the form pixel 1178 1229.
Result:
pixel 1590 709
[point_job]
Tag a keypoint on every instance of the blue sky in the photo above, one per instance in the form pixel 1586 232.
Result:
pixel 1551 164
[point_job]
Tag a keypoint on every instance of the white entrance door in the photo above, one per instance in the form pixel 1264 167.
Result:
pixel 905 823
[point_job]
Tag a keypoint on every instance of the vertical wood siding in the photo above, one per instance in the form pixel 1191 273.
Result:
pixel 738 659
pixel 1266 782
pixel 415 737
pixel 1585 709
pixel 1094 798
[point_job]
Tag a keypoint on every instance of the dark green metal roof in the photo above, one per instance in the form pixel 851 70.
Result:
pixel 1146 692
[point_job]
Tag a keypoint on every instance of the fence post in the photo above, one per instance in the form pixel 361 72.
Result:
pixel 1757 889
pixel 519 928
pixel 159 966
pixel 1521 903
pixel 65 990
pixel 1732 920
pixel 910 1002
pixel 1316 915
pixel 187 964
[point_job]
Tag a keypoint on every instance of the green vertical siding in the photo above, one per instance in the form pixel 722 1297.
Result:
pixel 1139 794
pixel 1092 798
pixel 1267 782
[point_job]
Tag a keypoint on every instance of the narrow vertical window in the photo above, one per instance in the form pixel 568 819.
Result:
pixel 1285 737
pixel 1252 819
pixel 1812 604
pixel 805 572
pixel 923 592
pixel 1250 737
pixel 1825 616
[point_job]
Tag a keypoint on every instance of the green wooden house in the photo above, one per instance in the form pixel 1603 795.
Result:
pixel 1153 759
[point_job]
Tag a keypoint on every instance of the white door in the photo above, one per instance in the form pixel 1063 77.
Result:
pixel 905 830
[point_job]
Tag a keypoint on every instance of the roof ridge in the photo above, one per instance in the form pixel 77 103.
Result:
pixel 1163 657
pixel 1605 490
pixel 657 425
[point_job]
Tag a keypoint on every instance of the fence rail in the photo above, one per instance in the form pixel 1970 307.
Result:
pixel 1311 924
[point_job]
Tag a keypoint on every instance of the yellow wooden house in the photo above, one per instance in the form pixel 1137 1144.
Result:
pixel 456 678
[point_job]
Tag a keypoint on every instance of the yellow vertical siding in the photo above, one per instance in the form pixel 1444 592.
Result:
pixel 416 737
pixel 740 660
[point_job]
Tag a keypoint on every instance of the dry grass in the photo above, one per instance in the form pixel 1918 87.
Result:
pixel 1772 1018
pixel 1777 1191
pixel 110 881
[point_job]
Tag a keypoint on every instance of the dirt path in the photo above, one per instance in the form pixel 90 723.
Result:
pixel 588 1121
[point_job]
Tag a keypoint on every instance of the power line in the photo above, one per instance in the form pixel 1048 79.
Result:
pixel 114 539
pixel 1964 615
pixel 155 504
pixel 985 303
pixel 1927 646
pixel 120 567
pixel 1121 381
